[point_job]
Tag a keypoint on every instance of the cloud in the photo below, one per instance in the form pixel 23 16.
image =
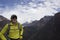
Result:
pixel 32 11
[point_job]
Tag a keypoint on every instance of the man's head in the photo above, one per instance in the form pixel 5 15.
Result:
pixel 14 18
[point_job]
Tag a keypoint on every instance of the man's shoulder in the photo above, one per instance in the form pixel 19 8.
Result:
pixel 19 23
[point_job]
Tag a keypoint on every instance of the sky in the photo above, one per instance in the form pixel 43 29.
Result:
pixel 29 10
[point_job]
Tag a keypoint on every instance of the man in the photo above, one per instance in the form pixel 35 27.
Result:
pixel 15 29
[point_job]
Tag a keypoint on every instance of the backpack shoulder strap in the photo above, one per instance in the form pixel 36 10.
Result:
pixel 8 27
pixel 19 29
pixel 19 26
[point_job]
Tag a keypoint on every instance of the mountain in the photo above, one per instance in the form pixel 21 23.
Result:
pixel 48 28
pixel 38 30
pixel 45 33
pixel 3 21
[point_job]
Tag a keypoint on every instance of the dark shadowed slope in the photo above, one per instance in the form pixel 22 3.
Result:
pixel 46 33
pixel 38 30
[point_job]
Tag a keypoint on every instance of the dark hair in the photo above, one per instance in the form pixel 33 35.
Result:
pixel 13 16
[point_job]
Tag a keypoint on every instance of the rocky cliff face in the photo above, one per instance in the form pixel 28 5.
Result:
pixel 40 30
pixel 46 33
pixel 3 21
